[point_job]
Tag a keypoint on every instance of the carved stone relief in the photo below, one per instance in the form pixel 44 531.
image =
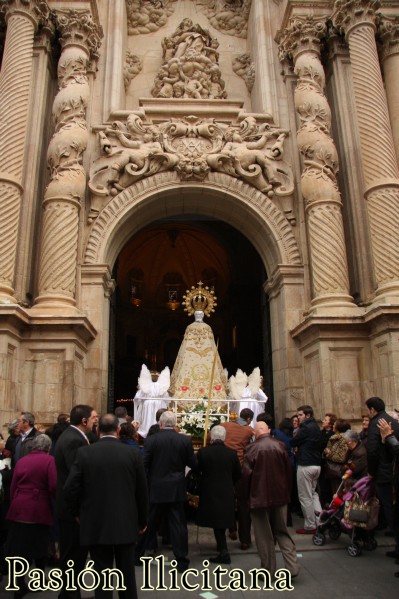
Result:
pixel 244 67
pixel 132 66
pixel 145 16
pixel 229 16
pixel 192 147
pixel 191 65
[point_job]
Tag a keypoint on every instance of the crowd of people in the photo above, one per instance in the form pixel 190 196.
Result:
pixel 56 509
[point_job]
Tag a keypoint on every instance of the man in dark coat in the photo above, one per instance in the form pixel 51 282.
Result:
pixel 308 441
pixel 267 478
pixel 28 432
pixel 166 456
pixel 392 444
pixel 82 419
pixel 107 489
pixel 380 462
pixel 219 469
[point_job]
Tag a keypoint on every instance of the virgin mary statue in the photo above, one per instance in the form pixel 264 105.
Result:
pixel 198 356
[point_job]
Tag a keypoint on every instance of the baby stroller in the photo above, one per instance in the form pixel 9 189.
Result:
pixel 354 512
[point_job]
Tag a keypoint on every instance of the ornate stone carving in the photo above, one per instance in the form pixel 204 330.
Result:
pixel 191 65
pixel 132 66
pixel 244 67
pixel 37 10
pixel 388 30
pixel 349 13
pixel 66 189
pixel 145 16
pixel 301 42
pixel 192 147
pixel 78 28
pixel 229 16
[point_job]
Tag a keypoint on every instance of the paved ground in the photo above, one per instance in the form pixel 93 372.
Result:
pixel 327 572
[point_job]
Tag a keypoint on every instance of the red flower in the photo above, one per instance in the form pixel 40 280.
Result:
pixel 184 388
pixel 218 387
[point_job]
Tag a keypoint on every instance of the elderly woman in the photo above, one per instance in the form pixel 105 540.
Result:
pixel 30 514
pixel 219 470
pixel 356 459
pixel 335 453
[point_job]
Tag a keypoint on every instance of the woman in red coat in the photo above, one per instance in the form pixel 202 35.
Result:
pixel 31 511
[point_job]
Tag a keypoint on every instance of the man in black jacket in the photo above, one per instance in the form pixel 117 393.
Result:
pixel 82 419
pixel 380 462
pixel 308 441
pixel 107 489
pixel 166 456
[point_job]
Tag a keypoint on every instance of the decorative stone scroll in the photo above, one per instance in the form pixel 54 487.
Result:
pixel 229 16
pixel 191 65
pixel 192 147
pixel 132 66
pixel 146 16
pixel 244 67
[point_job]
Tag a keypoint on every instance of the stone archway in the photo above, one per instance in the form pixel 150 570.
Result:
pixel 224 198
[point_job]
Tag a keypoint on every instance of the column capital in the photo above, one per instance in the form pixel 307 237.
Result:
pixel 388 30
pixel 78 28
pixel 303 34
pixel 36 10
pixel 349 14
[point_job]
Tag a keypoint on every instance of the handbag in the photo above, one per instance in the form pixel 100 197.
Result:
pixel 361 514
pixel 334 470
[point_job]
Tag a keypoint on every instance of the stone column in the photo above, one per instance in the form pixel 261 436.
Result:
pixel 22 18
pixel 389 33
pixel 356 18
pixel 80 40
pixel 323 208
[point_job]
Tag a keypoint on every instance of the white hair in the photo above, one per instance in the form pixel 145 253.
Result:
pixel 167 420
pixel 218 433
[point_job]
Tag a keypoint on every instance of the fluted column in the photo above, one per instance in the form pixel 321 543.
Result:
pixel 80 40
pixel 22 18
pixel 323 208
pixel 388 29
pixel 356 18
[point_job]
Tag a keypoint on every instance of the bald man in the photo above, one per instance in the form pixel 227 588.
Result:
pixel 267 476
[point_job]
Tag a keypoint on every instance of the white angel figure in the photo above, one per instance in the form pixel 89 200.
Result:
pixel 247 392
pixel 151 396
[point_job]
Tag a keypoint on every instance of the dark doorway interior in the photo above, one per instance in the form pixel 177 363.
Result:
pixel 152 273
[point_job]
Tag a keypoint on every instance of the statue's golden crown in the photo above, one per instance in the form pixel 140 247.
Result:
pixel 199 298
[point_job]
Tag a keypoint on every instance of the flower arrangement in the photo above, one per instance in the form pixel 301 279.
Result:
pixel 193 423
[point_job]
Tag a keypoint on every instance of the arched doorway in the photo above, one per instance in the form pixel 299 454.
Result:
pixel 152 273
pixel 221 198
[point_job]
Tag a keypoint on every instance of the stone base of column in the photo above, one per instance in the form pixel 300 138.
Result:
pixel 55 304
pixel 6 295
pixel 334 305
pixel 387 294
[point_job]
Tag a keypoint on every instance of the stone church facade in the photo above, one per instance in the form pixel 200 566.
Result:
pixel 278 117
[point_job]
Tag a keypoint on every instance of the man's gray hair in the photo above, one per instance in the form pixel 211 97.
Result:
pixel 42 442
pixel 29 418
pixel 218 433
pixel 351 436
pixel 167 420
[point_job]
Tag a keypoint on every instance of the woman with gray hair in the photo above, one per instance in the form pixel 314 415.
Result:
pixel 219 470
pixel 356 460
pixel 31 514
